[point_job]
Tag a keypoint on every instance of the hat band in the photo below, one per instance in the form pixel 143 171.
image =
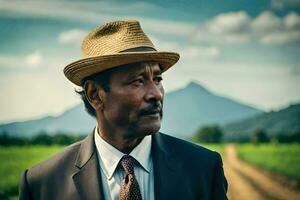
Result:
pixel 138 49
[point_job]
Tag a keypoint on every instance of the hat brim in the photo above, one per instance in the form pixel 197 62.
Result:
pixel 83 68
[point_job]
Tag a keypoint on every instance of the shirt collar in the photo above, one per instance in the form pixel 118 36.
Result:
pixel 110 156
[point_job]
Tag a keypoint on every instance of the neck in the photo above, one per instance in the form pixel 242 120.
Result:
pixel 117 140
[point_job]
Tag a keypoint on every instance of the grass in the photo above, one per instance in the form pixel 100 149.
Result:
pixel 281 159
pixel 14 160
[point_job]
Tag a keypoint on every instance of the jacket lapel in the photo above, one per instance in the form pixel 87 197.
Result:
pixel 87 179
pixel 168 181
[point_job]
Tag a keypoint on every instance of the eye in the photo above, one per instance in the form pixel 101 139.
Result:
pixel 138 81
pixel 158 79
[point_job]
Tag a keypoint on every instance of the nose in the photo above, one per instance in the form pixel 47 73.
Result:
pixel 154 92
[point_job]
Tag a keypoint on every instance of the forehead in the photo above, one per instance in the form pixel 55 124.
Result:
pixel 138 68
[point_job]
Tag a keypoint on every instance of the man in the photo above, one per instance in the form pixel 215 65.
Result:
pixel 125 157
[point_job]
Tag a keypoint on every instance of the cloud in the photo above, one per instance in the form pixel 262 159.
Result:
pixel 76 11
pixel 98 11
pixel 177 28
pixel 292 21
pixel 188 51
pixel 34 59
pixel 233 27
pixel 200 52
pixel 281 37
pixel 230 27
pixel 233 22
pixel 271 29
pixel 48 94
pixel 8 61
pixel 239 28
pixel 31 60
pixel 281 4
pixel 72 36
pixel 164 45
pixel 266 22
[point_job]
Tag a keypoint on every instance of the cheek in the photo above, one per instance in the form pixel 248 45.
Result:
pixel 132 108
pixel 122 111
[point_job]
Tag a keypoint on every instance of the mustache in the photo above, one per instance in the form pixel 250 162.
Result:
pixel 152 109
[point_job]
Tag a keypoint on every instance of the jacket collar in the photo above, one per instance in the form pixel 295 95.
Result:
pixel 86 151
pixel 87 179
pixel 168 181
pixel 167 170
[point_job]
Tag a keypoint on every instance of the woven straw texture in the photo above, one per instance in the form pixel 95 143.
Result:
pixel 103 48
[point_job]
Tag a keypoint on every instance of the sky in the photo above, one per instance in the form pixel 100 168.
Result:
pixel 244 50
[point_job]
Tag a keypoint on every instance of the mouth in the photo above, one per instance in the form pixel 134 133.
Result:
pixel 156 114
pixel 151 113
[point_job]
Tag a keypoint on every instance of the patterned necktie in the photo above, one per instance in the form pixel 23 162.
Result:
pixel 129 189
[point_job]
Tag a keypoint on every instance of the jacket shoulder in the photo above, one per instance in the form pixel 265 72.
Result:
pixel 57 165
pixel 188 150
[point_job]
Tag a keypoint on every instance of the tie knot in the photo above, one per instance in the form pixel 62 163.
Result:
pixel 127 162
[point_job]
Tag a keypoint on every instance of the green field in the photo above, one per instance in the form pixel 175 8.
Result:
pixel 14 160
pixel 282 159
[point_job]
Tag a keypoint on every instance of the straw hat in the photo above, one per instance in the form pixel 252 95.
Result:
pixel 114 44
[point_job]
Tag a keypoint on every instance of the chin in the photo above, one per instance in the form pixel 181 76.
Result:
pixel 151 130
pixel 146 130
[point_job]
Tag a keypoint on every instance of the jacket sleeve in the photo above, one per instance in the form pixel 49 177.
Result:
pixel 24 191
pixel 220 183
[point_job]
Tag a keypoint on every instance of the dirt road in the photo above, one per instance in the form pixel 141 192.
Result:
pixel 249 183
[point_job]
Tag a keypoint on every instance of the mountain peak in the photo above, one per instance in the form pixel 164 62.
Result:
pixel 196 86
pixel 185 110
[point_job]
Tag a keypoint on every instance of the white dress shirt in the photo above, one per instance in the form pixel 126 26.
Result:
pixel 111 175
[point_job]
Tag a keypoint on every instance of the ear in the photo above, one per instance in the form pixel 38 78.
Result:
pixel 94 94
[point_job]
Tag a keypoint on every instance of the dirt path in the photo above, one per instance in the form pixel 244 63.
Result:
pixel 249 183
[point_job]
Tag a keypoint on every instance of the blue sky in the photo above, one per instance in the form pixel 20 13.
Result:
pixel 245 50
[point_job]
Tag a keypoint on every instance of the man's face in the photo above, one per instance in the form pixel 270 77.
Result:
pixel 133 105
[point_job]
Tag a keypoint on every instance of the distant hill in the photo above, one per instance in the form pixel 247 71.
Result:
pixel 283 121
pixel 74 120
pixel 192 107
pixel 185 110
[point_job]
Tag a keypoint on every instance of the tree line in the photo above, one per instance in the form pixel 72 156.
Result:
pixel 207 134
pixel 214 134
pixel 41 138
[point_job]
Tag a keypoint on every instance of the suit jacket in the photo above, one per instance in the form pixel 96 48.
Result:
pixel 181 171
